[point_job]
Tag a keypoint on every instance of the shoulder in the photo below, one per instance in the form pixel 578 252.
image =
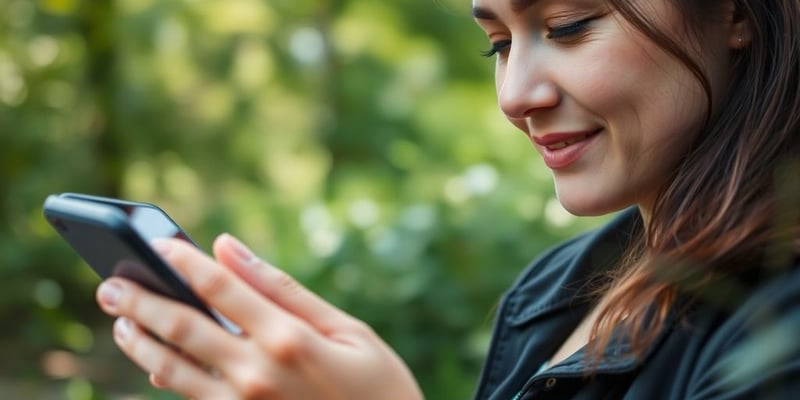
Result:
pixel 754 352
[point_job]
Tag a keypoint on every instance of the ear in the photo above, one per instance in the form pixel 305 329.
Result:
pixel 740 32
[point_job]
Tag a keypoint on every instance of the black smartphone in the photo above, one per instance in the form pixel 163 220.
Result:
pixel 113 236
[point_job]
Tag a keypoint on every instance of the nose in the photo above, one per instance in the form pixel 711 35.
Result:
pixel 524 85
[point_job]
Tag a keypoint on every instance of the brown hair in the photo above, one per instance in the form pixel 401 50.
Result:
pixel 730 214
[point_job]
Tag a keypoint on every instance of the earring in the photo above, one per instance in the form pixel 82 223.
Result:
pixel 741 40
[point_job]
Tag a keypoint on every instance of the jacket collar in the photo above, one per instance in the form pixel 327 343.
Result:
pixel 616 358
pixel 562 277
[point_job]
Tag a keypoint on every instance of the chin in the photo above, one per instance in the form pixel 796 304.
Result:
pixel 590 205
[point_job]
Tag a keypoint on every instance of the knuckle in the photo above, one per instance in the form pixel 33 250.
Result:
pixel 288 283
pixel 361 328
pixel 165 369
pixel 286 346
pixel 212 284
pixel 177 330
pixel 254 385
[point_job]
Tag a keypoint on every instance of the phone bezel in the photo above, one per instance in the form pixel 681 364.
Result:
pixel 67 209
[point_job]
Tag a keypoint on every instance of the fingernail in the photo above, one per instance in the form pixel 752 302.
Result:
pixel 161 246
pixel 109 293
pixel 241 251
pixel 123 328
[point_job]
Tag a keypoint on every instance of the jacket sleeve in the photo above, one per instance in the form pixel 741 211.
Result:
pixel 756 353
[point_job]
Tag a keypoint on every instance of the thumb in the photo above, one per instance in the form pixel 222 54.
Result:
pixel 278 286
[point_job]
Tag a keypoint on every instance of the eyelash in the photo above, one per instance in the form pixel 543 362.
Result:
pixel 569 30
pixel 558 33
pixel 496 48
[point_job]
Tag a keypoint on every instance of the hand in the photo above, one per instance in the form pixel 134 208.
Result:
pixel 294 345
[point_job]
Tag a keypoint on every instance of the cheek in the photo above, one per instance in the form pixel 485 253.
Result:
pixel 605 78
pixel 637 89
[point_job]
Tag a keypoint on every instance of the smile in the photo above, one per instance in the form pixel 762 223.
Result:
pixel 561 145
pixel 558 141
pixel 561 150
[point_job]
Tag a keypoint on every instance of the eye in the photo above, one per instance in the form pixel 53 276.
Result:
pixel 570 30
pixel 497 47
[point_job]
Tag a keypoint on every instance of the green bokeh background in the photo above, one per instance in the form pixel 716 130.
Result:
pixel 354 143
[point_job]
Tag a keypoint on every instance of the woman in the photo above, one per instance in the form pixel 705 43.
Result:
pixel 683 113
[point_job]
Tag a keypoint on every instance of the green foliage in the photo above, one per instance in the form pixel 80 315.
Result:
pixel 355 143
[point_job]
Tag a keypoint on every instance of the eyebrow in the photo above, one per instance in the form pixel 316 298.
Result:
pixel 516 5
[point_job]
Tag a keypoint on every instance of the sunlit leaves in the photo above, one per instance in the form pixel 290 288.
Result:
pixel 63 7
pixel 356 144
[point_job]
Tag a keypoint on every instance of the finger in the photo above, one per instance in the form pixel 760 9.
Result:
pixel 222 290
pixel 157 382
pixel 175 323
pixel 278 286
pixel 236 359
pixel 174 372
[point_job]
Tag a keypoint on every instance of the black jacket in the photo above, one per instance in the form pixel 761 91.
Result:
pixel 751 351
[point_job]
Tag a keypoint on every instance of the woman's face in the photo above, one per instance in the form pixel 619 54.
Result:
pixel 609 111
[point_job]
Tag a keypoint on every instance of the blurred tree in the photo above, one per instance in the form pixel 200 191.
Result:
pixel 354 143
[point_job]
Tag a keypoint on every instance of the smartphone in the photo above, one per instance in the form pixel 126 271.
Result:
pixel 113 236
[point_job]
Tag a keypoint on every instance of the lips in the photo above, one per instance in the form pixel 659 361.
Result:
pixel 560 150
pixel 557 141
pixel 561 145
